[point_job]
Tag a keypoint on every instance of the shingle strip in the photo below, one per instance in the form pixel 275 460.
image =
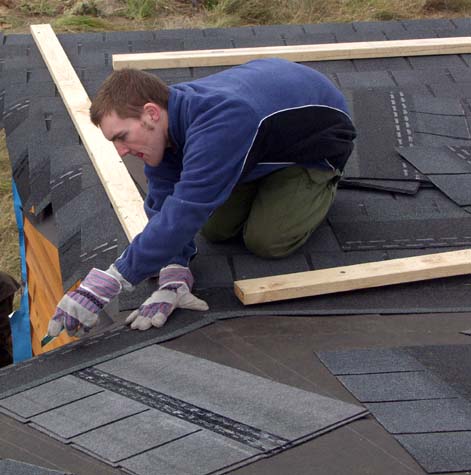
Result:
pixel 225 426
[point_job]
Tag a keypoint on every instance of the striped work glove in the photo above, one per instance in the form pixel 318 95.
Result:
pixel 78 309
pixel 175 284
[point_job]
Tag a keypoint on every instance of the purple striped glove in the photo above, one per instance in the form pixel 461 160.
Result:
pixel 78 309
pixel 175 284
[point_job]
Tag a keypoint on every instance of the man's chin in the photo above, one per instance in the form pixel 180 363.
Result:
pixel 151 162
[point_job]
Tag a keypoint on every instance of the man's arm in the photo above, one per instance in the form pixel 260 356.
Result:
pixel 214 155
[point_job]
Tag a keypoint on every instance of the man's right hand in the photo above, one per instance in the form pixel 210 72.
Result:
pixel 77 311
pixel 175 284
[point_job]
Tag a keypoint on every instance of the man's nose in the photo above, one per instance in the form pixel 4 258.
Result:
pixel 121 149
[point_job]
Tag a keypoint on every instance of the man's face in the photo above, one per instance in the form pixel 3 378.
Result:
pixel 145 138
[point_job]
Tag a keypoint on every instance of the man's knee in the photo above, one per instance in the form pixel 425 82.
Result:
pixel 258 245
pixel 218 233
pixel 211 234
pixel 270 246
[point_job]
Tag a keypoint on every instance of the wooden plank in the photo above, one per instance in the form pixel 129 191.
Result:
pixel 359 276
pixel 118 184
pixel 322 52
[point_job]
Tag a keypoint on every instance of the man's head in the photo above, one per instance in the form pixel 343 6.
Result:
pixel 131 110
pixel 126 92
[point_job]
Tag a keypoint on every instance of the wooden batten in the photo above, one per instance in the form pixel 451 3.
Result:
pixel 299 53
pixel 44 286
pixel 118 184
pixel 354 277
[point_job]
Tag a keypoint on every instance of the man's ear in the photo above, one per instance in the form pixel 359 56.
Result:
pixel 151 111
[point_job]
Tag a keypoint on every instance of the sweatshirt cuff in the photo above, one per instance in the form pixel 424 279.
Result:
pixel 117 274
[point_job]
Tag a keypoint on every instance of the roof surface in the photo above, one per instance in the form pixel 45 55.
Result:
pixel 404 193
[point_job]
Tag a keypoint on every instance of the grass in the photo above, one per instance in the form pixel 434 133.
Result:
pixel 140 9
pixel 90 15
pixel 72 23
pixel 243 12
pixel 93 15
pixel 453 6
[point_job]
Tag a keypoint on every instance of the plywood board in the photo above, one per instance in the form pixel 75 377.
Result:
pixel 44 287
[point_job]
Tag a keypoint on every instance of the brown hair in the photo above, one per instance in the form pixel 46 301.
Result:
pixel 125 92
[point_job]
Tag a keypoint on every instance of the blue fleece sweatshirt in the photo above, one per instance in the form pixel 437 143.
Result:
pixel 233 127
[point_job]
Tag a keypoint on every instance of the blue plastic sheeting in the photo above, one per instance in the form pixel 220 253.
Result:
pixel 20 326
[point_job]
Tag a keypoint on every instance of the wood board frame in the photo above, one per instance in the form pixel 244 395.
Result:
pixel 127 201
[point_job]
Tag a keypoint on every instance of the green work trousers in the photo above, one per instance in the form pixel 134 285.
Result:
pixel 276 213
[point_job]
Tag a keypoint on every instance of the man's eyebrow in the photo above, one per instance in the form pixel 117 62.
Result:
pixel 117 135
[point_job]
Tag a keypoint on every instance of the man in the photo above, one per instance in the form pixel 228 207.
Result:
pixel 8 288
pixel 256 149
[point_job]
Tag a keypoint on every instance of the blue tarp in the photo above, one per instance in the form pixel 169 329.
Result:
pixel 20 325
